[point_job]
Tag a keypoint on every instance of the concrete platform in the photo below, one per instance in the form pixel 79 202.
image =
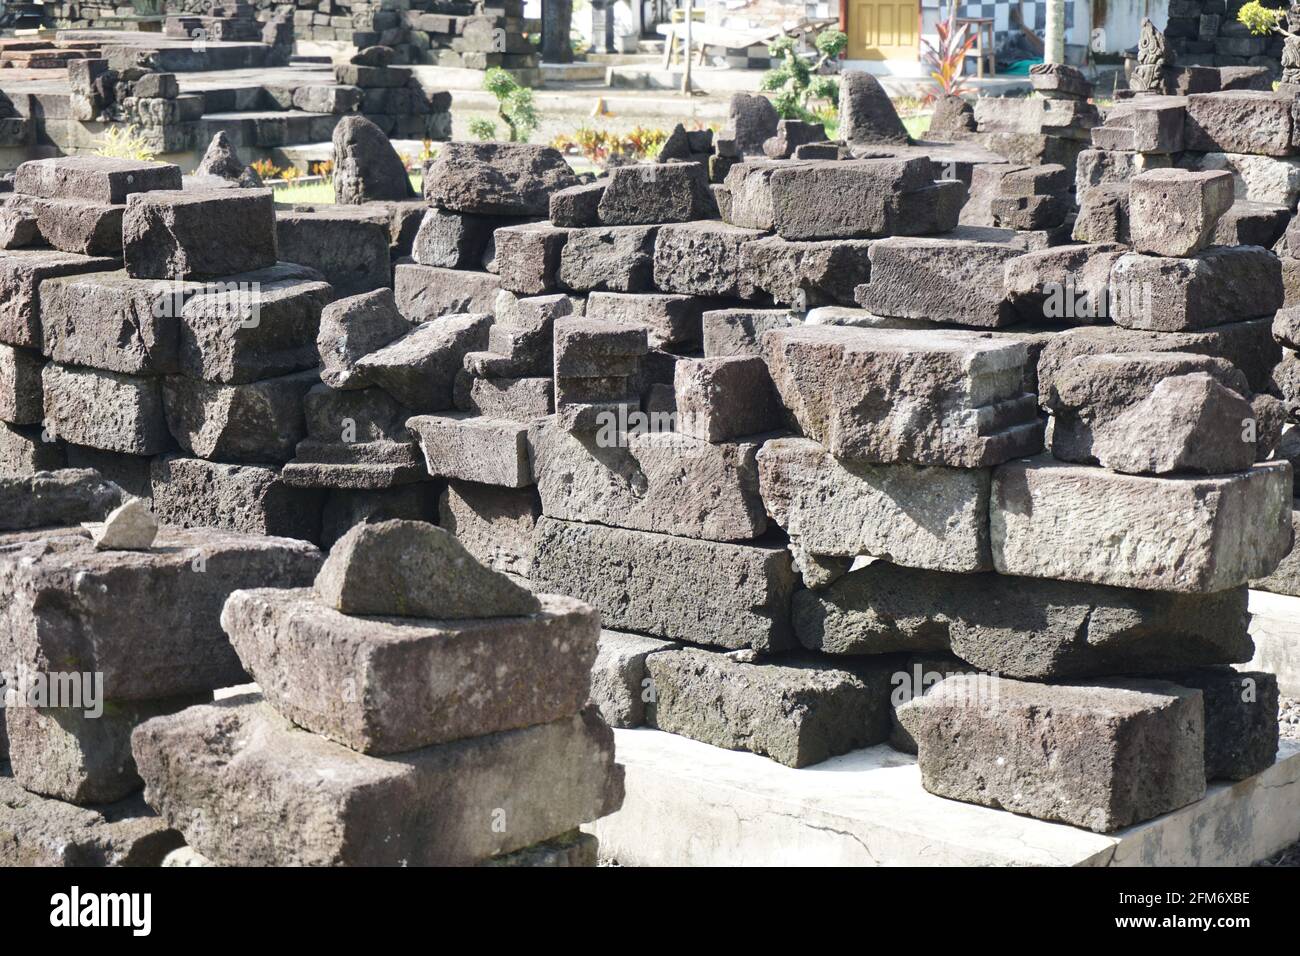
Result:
pixel 1275 626
pixel 689 804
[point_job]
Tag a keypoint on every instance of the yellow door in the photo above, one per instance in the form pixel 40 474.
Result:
pixel 883 30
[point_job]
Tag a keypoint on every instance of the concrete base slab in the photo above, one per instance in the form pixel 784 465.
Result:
pixel 1275 627
pixel 689 804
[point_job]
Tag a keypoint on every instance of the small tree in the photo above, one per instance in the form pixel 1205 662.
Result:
pixel 798 81
pixel 514 108
pixel 1259 19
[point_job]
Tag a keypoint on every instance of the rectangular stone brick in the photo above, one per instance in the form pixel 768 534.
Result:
pixel 702 592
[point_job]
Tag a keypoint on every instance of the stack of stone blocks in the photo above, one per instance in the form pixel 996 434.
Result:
pixel 793 451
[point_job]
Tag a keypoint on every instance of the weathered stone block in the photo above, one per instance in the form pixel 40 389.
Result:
pixel 348 245
pixel 1099 757
pixel 943 280
pixel 797 712
pixel 497 179
pixel 424 292
pixel 254 422
pixel 1028 628
pixel 21 399
pixel 1174 213
pixel 250 499
pixel 649 193
pixel 654 481
pixel 104 410
pixel 612 258
pixel 55 499
pixel 146 620
pixel 669 320
pixel 81 226
pixel 419 369
pixel 892 396
pixel 620 685
pixel 501 673
pixel 22 272
pixel 1219 286
pixel 1239 121
pixel 472 448
pixel 94 178
pixel 718 399
pixel 1241 727
pixel 170 234
pixel 703 258
pixel 704 592
pixel 425 809
pixel 46 832
pixel 79 755
pixel 913 515
pixel 528 257
pixel 495 525
pixel 1077 523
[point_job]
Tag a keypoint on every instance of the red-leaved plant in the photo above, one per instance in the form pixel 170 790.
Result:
pixel 945 58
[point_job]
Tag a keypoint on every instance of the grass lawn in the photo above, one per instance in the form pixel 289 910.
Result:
pixel 317 194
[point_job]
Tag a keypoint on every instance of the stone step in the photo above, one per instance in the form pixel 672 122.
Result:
pixel 689 804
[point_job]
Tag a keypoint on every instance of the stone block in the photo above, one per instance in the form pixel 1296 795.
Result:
pixel 425 292
pixel 170 234
pixel 55 499
pixel 46 832
pixel 704 259
pixel 22 272
pixel 528 257
pixel 798 712
pixel 942 280
pixel 1239 121
pixel 471 448
pixel 1029 628
pixel 80 226
pixel 918 516
pixel 1100 757
pixel 719 399
pixel 807 274
pixel 1218 286
pixel 350 329
pixel 497 179
pixel 651 481
pixel 650 193
pixel 729 332
pixel 94 178
pixel 21 398
pixel 1174 213
pixel 419 369
pixel 104 410
pixel 1241 727
pixel 147 620
pixel 503 673
pixel 348 245
pixel 1076 523
pixel 670 320
pixel 256 422
pixel 431 807
pixel 620 682
pixel 609 258
pixel 80 755
pixel 495 525
pixel 250 499
pixel 702 592
pixel 896 396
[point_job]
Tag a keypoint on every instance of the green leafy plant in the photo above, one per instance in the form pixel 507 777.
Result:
pixel 483 129
pixel 797 80
pixel 515 108
pixel 124 142
pixel 946 57
pixel 1259 19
